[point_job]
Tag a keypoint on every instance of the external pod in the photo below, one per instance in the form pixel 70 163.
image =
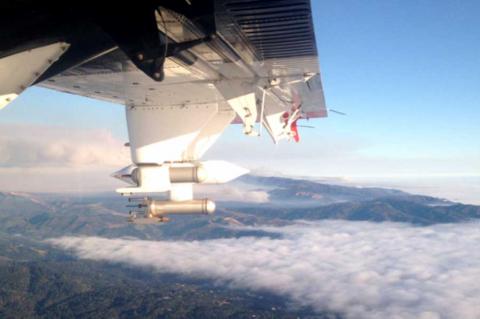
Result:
pixel 192 174
pixel 158 208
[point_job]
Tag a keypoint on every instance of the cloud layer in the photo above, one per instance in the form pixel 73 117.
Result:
pixel 46 146
pixel 360 269
pixel 35 158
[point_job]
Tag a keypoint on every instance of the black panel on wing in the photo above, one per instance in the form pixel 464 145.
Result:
pixel 275 28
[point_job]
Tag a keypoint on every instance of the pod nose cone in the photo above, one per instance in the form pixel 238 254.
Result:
pixel 202 174
pixel 210 206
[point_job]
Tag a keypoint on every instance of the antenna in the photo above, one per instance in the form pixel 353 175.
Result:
pixel 337 112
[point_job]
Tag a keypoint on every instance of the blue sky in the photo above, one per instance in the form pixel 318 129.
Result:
pixel 407 73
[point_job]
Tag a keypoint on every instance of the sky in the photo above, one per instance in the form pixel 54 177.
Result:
pixel 406 73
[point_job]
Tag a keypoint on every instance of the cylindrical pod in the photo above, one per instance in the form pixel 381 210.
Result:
pixel 157 208
pixel 191 174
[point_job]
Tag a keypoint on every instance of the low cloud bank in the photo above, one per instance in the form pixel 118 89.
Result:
pixel 35 158
pixel 46 146
pixel 360 269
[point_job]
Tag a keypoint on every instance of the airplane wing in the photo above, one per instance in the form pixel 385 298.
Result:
pixel 184 70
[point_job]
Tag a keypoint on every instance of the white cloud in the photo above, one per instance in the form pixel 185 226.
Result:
pixel 47 146
pixel 361 269
pixel 36 158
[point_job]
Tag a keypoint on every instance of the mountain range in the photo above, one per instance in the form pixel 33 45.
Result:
pixel 38 281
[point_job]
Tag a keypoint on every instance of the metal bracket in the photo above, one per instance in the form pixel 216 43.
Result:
pixel 134 29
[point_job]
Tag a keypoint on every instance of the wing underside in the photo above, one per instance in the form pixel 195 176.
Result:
pixel 268 42
pixel 184 70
